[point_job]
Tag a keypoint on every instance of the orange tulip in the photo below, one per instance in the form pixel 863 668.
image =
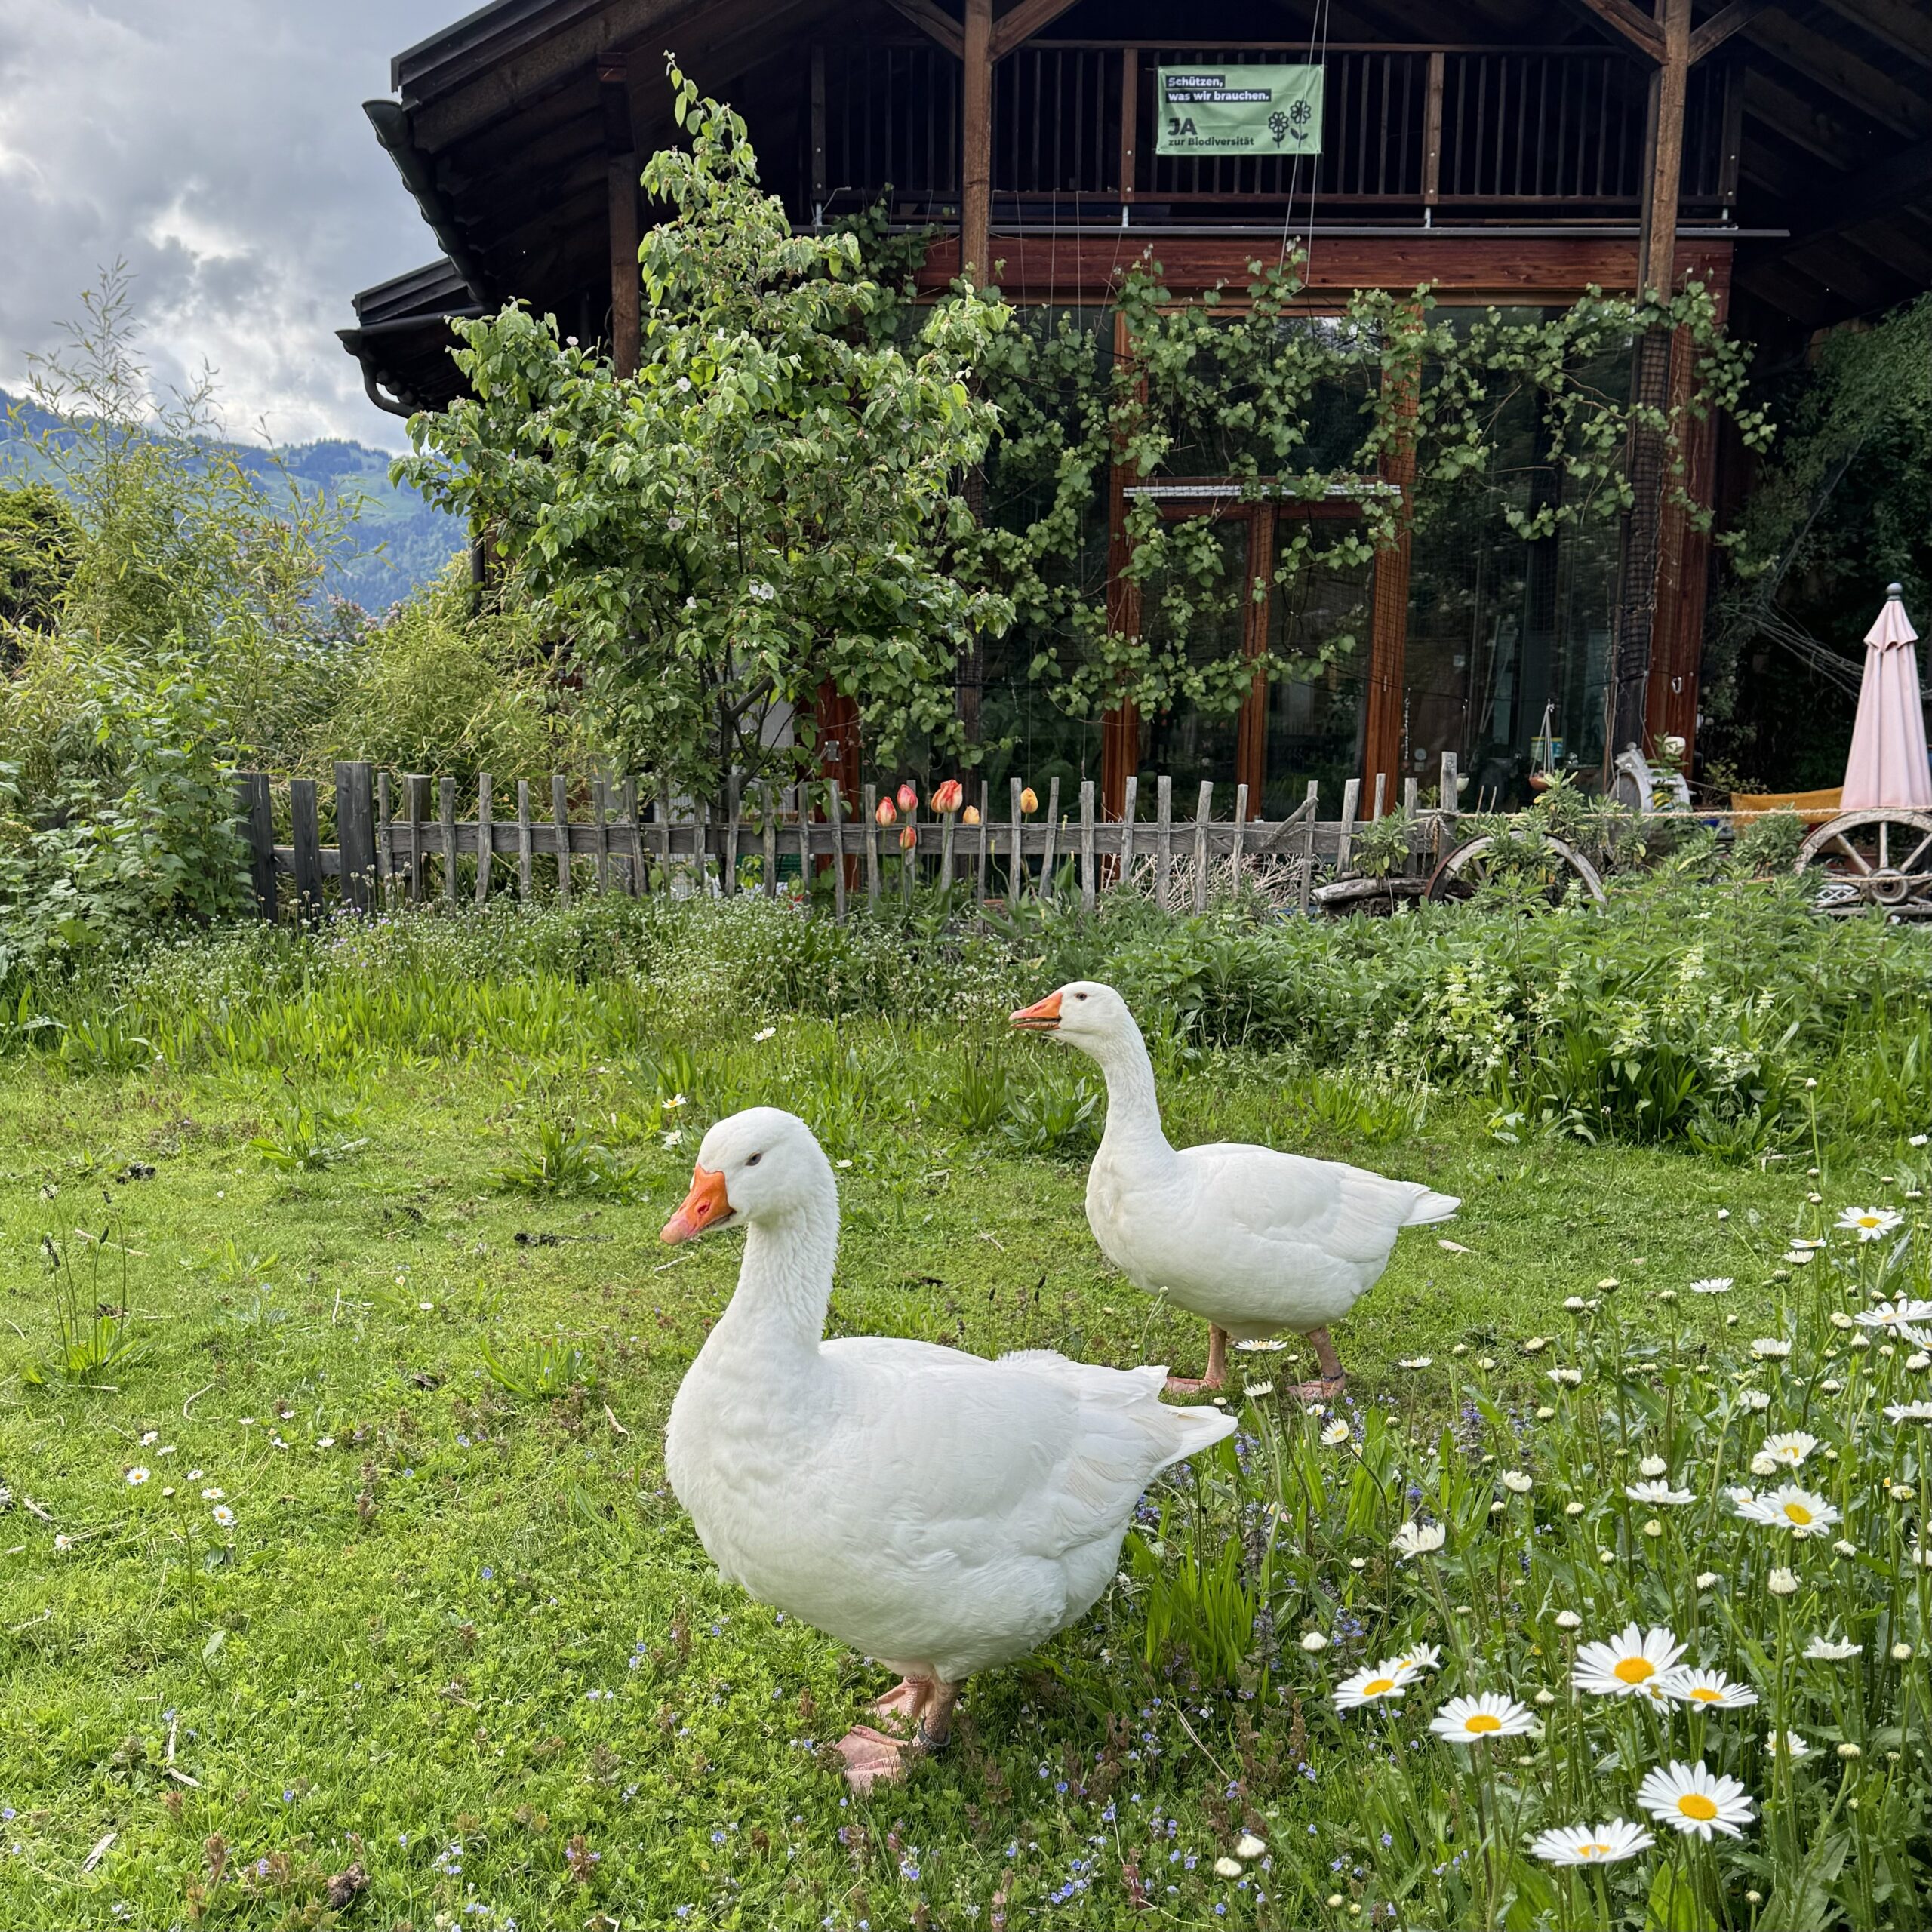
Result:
pixel 908 797
pixel 1029 800
pixel 887 813
pixel 908 839
pixel 949 796
pixel 970 816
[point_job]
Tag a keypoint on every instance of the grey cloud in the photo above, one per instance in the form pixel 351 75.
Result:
pixel 217 146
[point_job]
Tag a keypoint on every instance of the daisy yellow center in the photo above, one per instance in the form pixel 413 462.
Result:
pixel 1376 1686
pixel 1592 1850
pixel 1868 1220
pixel 1634 1670
pixel 1482 1720
pixel 1695 1804
pixel 1798 1513
pixel 1704 1694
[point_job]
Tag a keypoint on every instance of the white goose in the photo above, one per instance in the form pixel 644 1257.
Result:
pixel 1256 1240
pixel 936 1511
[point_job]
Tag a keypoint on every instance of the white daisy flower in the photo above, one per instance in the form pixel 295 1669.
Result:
pixel 1790 1449
pixel 764 1033
pixel 1591 1845
pixel 1568 1619
pixel 1416 1361
pixel 1831 1649
pixel 1418 1539
pixel 1335 1432
pixel 1768 1348
pixel 224 1515
pixel 1227 1868
pixel 1262 1345
pixel 1788 1507
pixel 1753 1399
pixel 1706 1578
pixel 1420 1657
pixel 1373 1686
pixel 1249 1845
pixel 1255 1391
pixel 1470 1720
pixel 1869 1223
pixel 1763 1463
pixel 1713 1284
pixel 1782 1582
pixel 1652 1466
pixel 1894 1313
pixel 1708 1690
pixel 1658 1492
pixel 1908 1412
pixel 1787 1744
pixel 150 1436
pixel 1568 1378
pixel 212 1495
pixel 1623 1666
pixel 1695 1800
pixel 136 1477
pixel 63 1542
pixel 1313 1640
pixel 1518 1482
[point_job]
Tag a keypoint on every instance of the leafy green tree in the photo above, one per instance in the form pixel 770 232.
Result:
pixel 756 513
pixel 38 541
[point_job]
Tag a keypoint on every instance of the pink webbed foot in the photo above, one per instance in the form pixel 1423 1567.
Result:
pixel 871 1757
pixel 902 1705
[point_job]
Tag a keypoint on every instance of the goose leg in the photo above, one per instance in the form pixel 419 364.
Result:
pixel 906 1701
pixel 935 1725
pixel 1217 1367
pixel 872 1758
pixel 1328 1384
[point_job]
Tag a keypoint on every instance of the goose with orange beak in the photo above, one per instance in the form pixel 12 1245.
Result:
pixel 1257 1240
pixel 942 1513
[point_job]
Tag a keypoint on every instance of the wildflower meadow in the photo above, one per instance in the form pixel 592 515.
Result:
pixel 342 1582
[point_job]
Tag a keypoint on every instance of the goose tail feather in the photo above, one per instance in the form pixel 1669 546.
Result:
pixel 1431 1207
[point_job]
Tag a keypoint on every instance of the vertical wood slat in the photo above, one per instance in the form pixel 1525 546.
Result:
pixel 664 828
pixel 1307 884
pixel 636 881
pixel 1164 843
pixel 945 834
pixel 355 834
pixel 835 804
pixel 1408 821
pixel 417 784
pixel 984 830
pixel 1201 818
pixel 486 837
pixel 256 811
pixel 1087 882
pixel 1016 881
pixel 800 796
pixel 525 883
pixel 1381 793
pixel 1052 839
pixel 385 841
pixel 908 861
pixel 308 853
pixel 1241 828
pixel 1130 804
pixel 1351 796
pixel 1448 804
pixel 1432 134
pixel 446 814
pixel 728 862
pixel 868 799
pixel 599 803
pixel 560 817
pixel 769 830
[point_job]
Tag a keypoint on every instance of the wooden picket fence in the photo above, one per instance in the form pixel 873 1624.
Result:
pixel 399 841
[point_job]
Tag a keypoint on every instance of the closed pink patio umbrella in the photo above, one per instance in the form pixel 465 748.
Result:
pixel 1888 765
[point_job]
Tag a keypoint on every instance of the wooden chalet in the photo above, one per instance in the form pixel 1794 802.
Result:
pixel 1505 151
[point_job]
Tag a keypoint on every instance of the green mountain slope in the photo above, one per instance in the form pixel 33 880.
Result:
pixel 396 542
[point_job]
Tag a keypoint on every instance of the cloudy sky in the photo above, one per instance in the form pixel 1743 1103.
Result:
pixel 219 148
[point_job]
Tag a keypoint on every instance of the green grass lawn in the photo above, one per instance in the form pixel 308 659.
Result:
pixel 466 1638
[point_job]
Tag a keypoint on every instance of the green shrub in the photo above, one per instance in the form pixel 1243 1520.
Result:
pixel 1769 844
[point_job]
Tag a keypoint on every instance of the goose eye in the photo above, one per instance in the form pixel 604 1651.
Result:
pixel 1079 995
pixel 755 1160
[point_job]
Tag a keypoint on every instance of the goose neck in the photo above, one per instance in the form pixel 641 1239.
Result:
pixel 784 1280
pixel 1133 1110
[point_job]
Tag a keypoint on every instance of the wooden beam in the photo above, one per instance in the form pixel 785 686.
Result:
pixel 1904 26
pixel 1719 28
pixel 930 20
pixel 1251 733
pixel 621 174
pixel 1857 198
pixel 976 127
pixel 1639 28
pixel 1120 727
pixel 1023 22
pixel 1898 103
pixel 1388 610
pixel 1660 189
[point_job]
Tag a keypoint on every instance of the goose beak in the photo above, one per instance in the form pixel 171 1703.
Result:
pixel 706 1206
pixel 1042 1017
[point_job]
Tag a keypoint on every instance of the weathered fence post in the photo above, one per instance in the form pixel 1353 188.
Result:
pixel 1129 806
pixel 385 842
pixel 600 811
pixel 664 827
pixel 1449 805
pixel 417 784
pixel 560 817
pixel 525 843
pixel 1381 793
pixel 1164 841
pixel 801 799
pixel 307 856
pixel 634 870
pixel 1052 848
pixel 355 834
pixel 486 837
pixel 255 821
pixel 727 863
pixel 769 830
pixel 1241 829
pixel 835 812
pixel 1087 883
pixel 446 803
pixel 985 829
pixel 945 851
pixel 1201 818
pixel 1313 806
pixel 868 799
pixel 1351 796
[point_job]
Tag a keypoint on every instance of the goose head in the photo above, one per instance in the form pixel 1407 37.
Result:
pixel 760 1165
pixel 1083 1013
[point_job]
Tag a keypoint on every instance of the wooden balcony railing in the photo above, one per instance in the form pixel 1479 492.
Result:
pixel 1516 131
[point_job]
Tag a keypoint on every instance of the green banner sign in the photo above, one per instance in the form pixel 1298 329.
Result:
pixel 1239 110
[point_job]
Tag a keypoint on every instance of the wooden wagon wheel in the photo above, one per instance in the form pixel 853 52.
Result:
pixel 1879 857
pixel 1469 867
